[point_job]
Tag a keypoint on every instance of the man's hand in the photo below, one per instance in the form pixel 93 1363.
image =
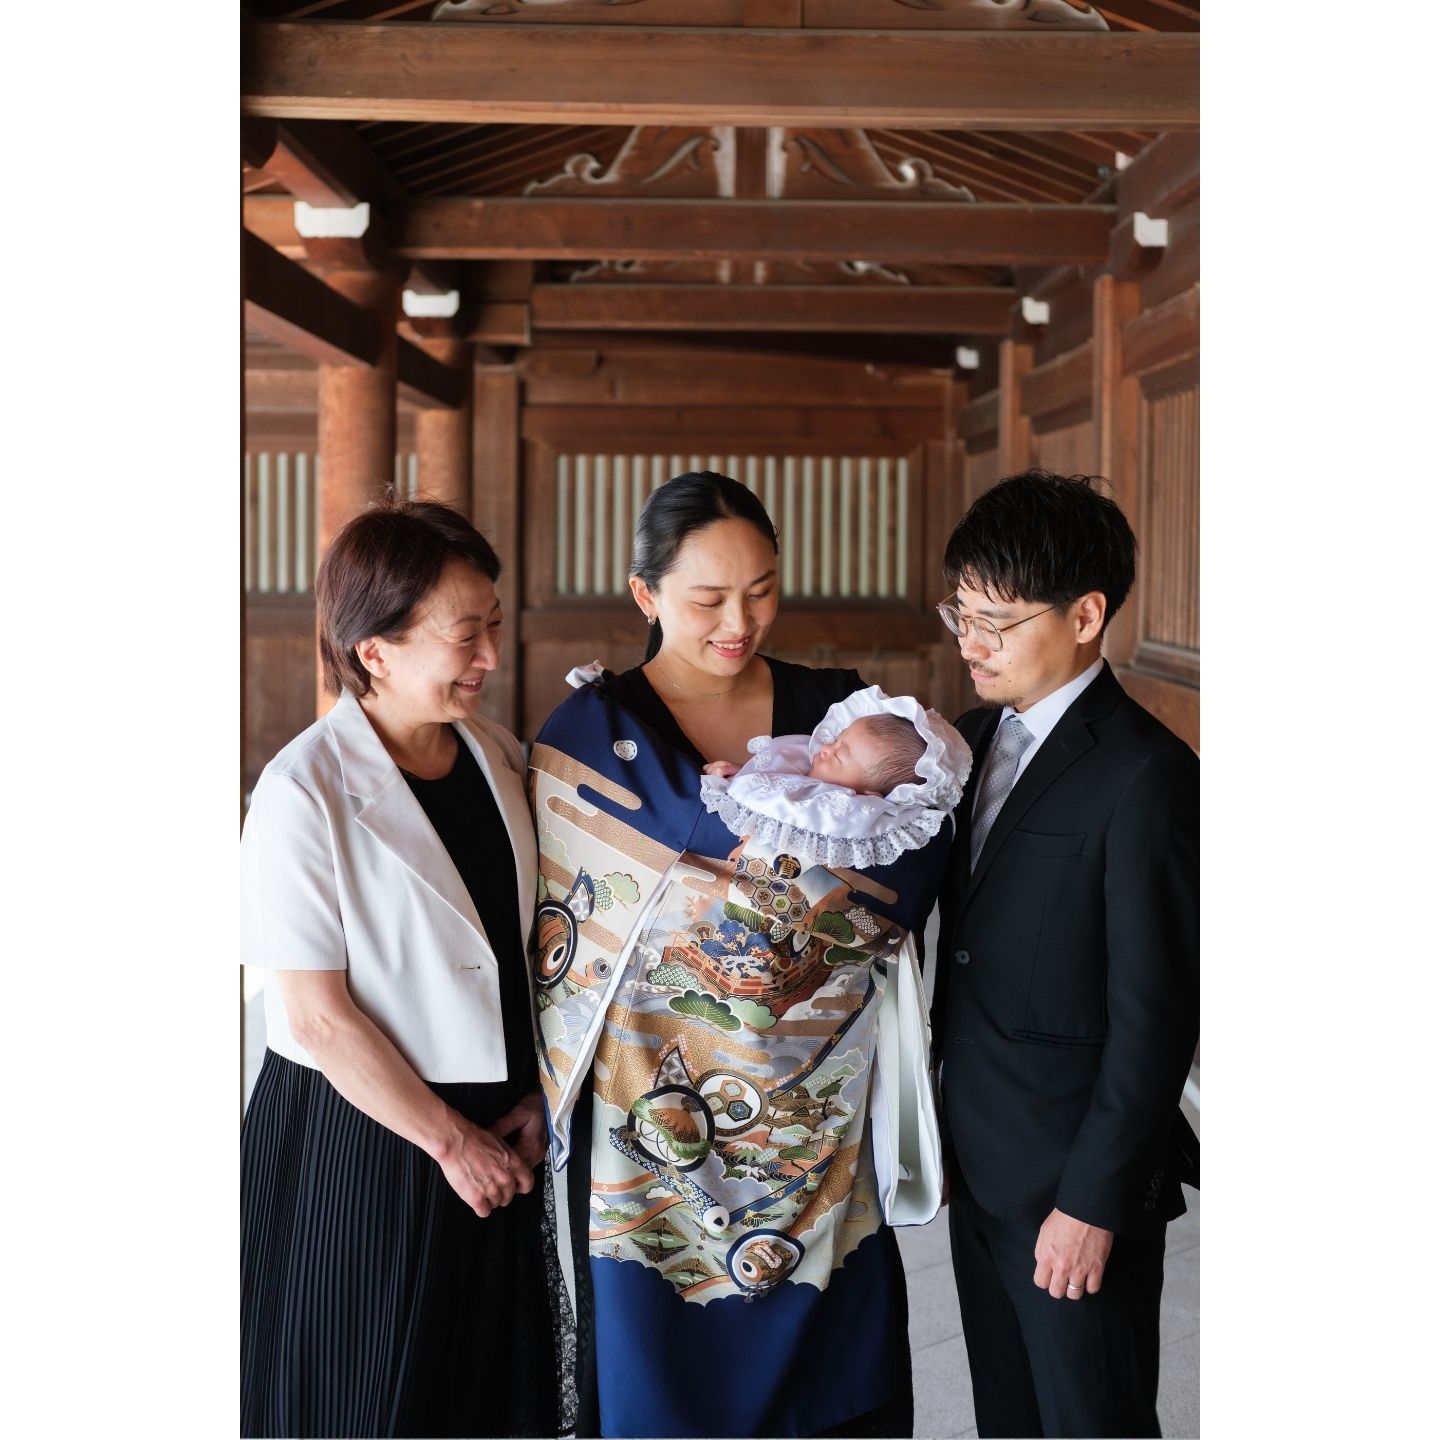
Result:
pixel 1070 1256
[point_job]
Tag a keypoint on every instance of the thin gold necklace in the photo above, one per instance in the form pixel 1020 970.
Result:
pixel 694 694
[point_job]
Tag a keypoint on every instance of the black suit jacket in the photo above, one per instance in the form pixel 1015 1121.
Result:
pixel 1067 998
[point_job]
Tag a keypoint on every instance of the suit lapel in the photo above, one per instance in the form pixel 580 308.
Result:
pixel 1069 740
pixel 390 812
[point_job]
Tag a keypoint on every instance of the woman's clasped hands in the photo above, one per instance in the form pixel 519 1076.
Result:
pixel 487 1166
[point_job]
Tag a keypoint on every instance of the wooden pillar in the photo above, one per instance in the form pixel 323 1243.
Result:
pixel 495 509
pixel 355 417
pixel 1115 405
pixel 1016 359
pixel 355 425
pixel 443 436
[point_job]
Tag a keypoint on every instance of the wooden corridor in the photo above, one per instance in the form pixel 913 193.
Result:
pixel 868 257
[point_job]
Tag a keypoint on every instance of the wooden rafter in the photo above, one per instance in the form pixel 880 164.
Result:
pixel 920 231
pixel 512 171
pixel 410 143
pixel 485 147
pixel 630 75
pixel 983 174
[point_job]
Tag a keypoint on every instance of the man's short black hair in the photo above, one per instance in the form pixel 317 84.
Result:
pixel 1043 537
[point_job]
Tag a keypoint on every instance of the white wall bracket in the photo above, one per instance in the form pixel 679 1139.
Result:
pixel 1150 234
pixel 1033 311
pixel 439 307
pixel 316 222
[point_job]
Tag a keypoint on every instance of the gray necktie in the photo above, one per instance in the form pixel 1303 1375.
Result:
pixel 1010 744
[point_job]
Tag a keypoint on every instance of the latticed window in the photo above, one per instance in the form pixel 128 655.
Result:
pixel 843 520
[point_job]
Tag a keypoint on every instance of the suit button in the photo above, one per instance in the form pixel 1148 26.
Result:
pixel 1150 1203
pixel 962 957
pixel 1157 1177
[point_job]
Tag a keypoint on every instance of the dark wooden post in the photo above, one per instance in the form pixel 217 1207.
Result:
pixel 443 436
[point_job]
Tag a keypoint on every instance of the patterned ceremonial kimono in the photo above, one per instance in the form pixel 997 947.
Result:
pixel 758 1044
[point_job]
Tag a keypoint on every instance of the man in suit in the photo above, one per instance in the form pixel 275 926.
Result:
pixel 1067 997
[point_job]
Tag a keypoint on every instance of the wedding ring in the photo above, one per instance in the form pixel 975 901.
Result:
pixel 1072 1286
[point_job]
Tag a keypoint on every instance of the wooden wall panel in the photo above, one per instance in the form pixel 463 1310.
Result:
pixel 1068 449
pixel 1155 644
pixel 279 677
pixel 1172 520
pixel 982 470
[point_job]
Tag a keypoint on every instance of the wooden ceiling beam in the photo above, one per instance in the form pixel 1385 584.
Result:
pixel 898 309
pixel 920 231
pixel 927 352
pixel 285 302
pixel 630 75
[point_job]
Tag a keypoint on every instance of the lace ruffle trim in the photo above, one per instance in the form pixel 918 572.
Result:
pixel 861 853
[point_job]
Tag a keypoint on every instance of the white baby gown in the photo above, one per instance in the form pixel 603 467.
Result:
pixel 772 799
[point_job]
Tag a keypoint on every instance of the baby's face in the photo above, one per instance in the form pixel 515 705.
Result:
pixel 849 759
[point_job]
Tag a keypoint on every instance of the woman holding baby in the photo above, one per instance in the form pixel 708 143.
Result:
pixel 710 1005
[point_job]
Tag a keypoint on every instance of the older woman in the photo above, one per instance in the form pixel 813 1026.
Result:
pixel 394 1276
pixel 709 1015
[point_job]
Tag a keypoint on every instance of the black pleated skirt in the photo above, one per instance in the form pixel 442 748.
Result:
pixel 373 1301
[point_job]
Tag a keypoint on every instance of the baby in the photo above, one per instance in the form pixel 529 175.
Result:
pixel 871 756
pixel 877 777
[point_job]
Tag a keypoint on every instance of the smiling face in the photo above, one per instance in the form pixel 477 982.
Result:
pixel 717 602
pixel 1035 658
pixel 434 674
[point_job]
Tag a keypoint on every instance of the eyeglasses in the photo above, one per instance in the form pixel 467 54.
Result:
pixel 989 634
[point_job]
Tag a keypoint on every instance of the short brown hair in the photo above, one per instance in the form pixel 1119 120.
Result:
pixel 380 566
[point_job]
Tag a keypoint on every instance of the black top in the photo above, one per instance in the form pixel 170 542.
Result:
pixel 802 696
pixel 468 821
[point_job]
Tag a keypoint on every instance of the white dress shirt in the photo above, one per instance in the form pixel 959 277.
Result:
pixel 1040 719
